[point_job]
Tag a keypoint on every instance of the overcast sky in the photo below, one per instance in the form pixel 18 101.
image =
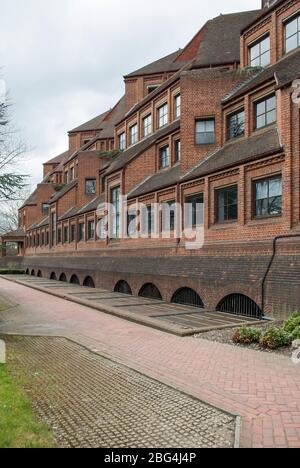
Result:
pixel 63 60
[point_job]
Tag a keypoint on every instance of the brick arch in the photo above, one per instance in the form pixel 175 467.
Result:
pixel 27 271
pixel 240 304
pixel 74 279
pixel 53 276
pixel 151 291
pixel 63 278
pixel 39 274
pixel 32 273
pixel 89 282
pixel 187 296
pixel 123 287
pixel 253 292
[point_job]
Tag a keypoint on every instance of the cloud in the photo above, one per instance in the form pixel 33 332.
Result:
pixel 63 60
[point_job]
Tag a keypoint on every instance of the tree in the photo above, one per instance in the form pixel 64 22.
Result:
pixel 12 149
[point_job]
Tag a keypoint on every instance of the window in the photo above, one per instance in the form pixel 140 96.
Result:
pixel 43 238
pixel 122 142
pixel 152 88
pixel 150 219
pixel 91 230
pixel 53 224
pixel 133 131
pixel 90 186
pixel 164 157
pixel 47 238
pixel 260 53
pixel 205 132
pixel 73 233
pixel 66 234
pixel 45 209
pixel 116 215
pixel 59 235
pixel 86 141
pixel 227 204
pixel 72 174
pixel 265 112
pixel 236 125
pixel 37 240
pixel 194 210
pixel 131 223
pixel 168 216
pixel 81 234
pixel 177 106
pixel 292 34
pixel 268 197
pixel 147 125
pixel 162 116
pixel 177 150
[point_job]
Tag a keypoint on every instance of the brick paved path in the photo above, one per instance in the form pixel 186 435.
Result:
pixel 93 402
pixel 262 388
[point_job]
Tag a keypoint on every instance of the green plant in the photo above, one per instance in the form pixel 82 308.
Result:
pixel 292 323
pixel 275 338
pixel 246 335
pixel 295 335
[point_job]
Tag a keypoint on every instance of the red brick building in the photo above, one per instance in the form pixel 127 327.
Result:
pixel 217 122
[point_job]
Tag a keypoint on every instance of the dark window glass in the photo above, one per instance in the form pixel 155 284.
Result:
pixel 265 112
pixel 194 210
pixel 168 216
pixel 152 88
pixel 205 132
pixel 260 53
pixel 122 142
pixel 116 215
pixel 43 239
pixel 53 224
pixel 90 186
pixel 177 150
pixel 91 230
pixel 164 156
pixel 73 233
pixel 236 125
pixel 66 234
pixel 292 34
pixel 268 197
pixel 59 235
pixel 81 236
pixel 227 204
pixel 47 238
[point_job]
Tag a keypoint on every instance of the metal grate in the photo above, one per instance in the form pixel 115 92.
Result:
pixel 150 291
pixel 89 282
pixel 239 304
pixel 53 276
pixel 123 288
pixel 187 296
pixel 63 278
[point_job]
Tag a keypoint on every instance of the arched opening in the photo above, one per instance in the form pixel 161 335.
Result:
pixel 53 276
pixel 27 271
pixel 63 278
pixel 123 288
pixel 239 304
pixel 74 280
pixel 89 282
pixel 150 291
pixel 32 273
pixel 187 296
pixel 39 275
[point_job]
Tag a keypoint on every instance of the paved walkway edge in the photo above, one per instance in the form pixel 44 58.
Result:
pixel 238 419
pixel 148 322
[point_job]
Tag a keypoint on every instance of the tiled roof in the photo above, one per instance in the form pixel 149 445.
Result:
pixel 163 178
pixel 58 159
pixel 220 42
pixel 69 214
pixel 31 200
pixel 93 124
pixel 134 151
pixel 57 195
pixel 283 72
pixel 236 152
pixel 92 205
pixel 165 64
pixel 16 233
pixel 263 13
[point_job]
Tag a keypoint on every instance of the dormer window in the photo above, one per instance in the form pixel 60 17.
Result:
pixel 133 132
pixel 265 112
pixel 152 88
pixel 164 156
pixel 236 125
pixel 177 106
pixel 147 125
pixel 292 34
pixel 162 115
pixel 205 132
pixel 260 53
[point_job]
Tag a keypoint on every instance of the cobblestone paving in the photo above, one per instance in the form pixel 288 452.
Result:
pixel 90 401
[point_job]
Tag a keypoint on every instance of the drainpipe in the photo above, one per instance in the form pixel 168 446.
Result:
pixel 275 240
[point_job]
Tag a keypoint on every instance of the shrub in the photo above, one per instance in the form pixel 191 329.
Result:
pixel 275 338
pixel 295 335
pixel 246 336
pixel 292 323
